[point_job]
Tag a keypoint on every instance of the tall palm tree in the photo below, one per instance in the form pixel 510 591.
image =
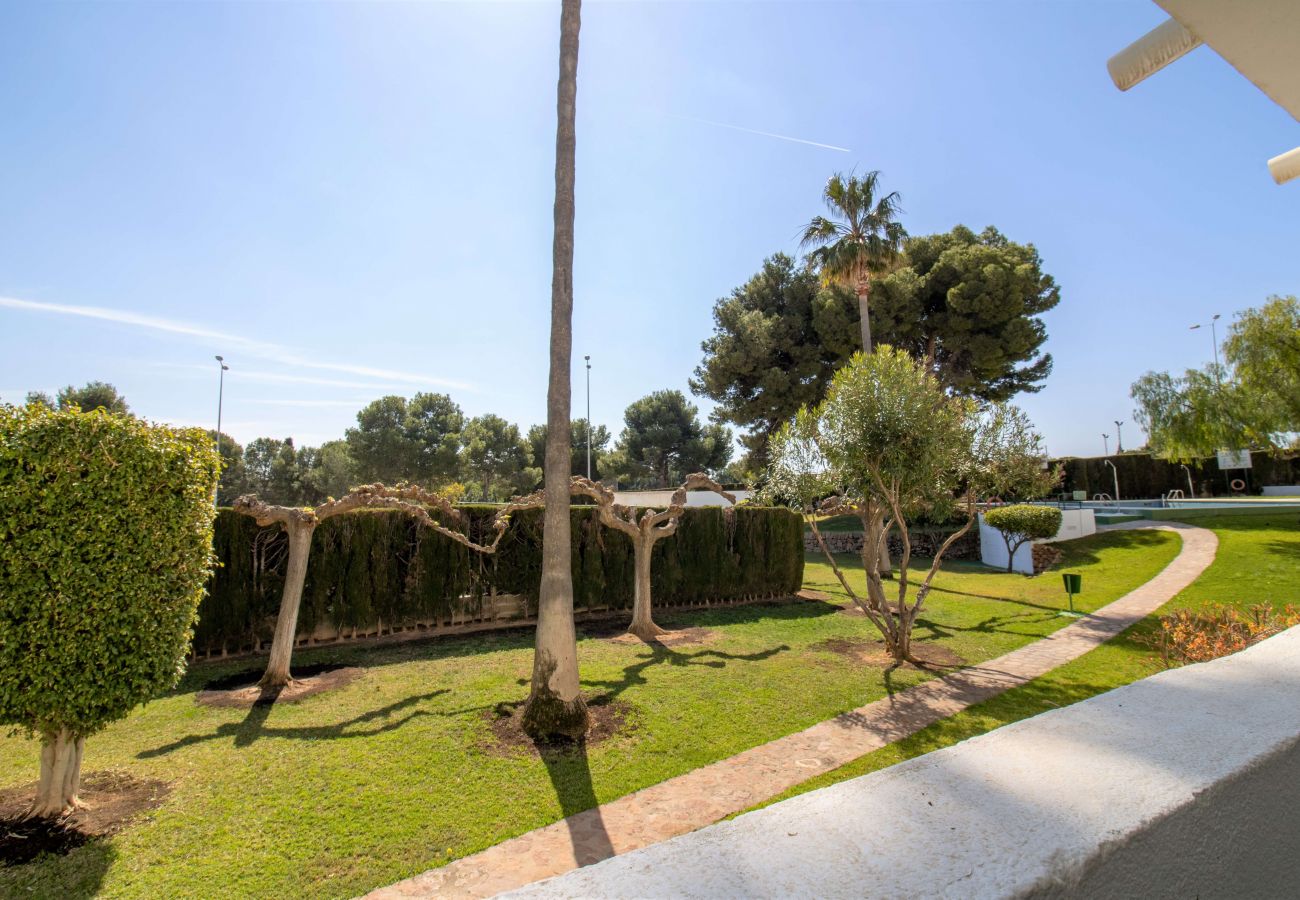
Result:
pixel 555 704
pixel 861 239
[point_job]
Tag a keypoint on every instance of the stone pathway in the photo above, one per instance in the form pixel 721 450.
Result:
pixel 705 795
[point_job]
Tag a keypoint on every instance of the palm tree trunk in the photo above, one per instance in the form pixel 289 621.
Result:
pixel 555 705
pixel 864 313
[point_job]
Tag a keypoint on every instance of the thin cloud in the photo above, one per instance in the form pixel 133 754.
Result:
pixel 780 137
pixel 224 341
pixel 350 404
pixel 241 374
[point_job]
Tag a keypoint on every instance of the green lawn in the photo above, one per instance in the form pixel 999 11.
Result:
pixel 1258 562
pixel 389 776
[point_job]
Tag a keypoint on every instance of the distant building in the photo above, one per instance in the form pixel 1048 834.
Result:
pixel 661 499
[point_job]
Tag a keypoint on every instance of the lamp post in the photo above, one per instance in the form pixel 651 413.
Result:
pixel 1214 336
pixel 588 360
pixel 1105 444
pixel 221 388
pixel 1119 436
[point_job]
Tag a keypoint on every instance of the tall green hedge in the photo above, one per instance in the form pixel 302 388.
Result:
pixel 371 571
pixel 1143 476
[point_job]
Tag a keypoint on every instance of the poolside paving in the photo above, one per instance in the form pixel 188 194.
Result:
pixel 705 795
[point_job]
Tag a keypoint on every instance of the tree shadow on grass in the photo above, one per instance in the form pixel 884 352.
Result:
pixel 989 625
pixel 76 875
pixel 660 654
pixel 253 727
pixel 434 647
pixel 1084 551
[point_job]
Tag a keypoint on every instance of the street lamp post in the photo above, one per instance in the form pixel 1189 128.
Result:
pixel 588 359
pixel 1214 336
pixel 221 390
pixel 1119 436
pixel 1105 444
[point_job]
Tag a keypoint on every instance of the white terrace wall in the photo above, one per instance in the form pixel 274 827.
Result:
pixel 1186 784
pixel 1075 523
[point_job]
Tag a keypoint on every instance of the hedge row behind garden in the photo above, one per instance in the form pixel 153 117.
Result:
pixel 376 571
pixel 1143 476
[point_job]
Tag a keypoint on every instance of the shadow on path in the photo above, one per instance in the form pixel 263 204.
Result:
pixel 570 773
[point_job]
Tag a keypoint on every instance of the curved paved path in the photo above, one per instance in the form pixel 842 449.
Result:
pixel 705 795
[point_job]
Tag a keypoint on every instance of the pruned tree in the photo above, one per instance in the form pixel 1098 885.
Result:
pixel 645 531
pixel 886 444
pixel 1021 523
pixel 299 523
pixel 105 547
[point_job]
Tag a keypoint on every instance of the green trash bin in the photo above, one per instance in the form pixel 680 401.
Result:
pixel 1073 585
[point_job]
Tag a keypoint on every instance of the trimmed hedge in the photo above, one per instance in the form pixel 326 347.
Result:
pixel 1143 476
pixel 375 571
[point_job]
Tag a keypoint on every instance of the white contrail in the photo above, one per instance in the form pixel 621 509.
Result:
pixel 222 340
pixel 781 137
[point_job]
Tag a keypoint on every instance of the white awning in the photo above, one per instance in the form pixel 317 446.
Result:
pixel 1258 38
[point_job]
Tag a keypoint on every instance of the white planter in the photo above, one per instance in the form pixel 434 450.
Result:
pixel 1075 523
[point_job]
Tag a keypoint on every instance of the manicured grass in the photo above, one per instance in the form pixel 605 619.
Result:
pixel 1258 562
pixel 395 774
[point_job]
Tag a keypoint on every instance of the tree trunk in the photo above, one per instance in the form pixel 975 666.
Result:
pixel 869 515
pixel 643 625
pixel 56 793
pixel 286 623
pixel 555 705
pixel 864 313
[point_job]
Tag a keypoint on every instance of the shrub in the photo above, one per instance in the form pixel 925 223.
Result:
pixel 1189 637
pixel 105 544
pixel 1022 523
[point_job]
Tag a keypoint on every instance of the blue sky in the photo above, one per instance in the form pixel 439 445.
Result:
pixel 348 200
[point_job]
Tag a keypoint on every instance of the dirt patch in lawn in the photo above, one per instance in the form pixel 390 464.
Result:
pixel 673 638
pixel 608 719
pixel 240 691
pixel 873 653
pixel 110 800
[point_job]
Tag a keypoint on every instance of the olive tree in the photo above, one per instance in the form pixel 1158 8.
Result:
pixel 888 443
pixel 1021 523
pixel 105 547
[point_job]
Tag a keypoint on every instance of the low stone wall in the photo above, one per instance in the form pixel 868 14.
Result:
pixel 923 543
pixel 1045 556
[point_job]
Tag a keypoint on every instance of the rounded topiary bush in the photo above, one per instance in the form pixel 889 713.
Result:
pixel 105 546
pixel 1021 523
